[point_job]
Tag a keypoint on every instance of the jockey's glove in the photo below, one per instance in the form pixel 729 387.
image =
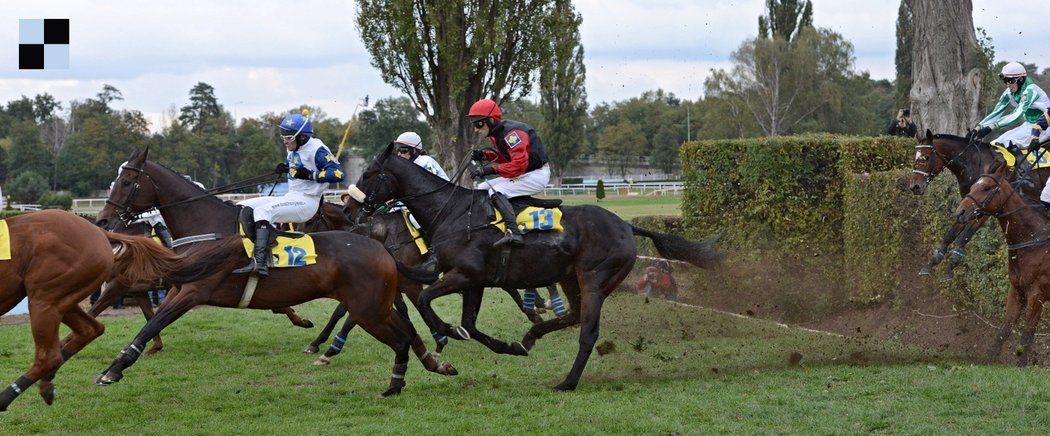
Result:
pixel 281 168
pixel 984 131
pixel 482 172
pixel 478 155
pixel 302 173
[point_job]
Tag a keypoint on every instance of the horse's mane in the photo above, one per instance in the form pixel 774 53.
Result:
pixel 949 137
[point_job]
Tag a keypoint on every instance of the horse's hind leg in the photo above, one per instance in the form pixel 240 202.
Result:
pixel 516 296
pixel 1026 352
pixel 85 329
pixel 569 319
pixel 44 324
pixel 146 306
pixel 326 332
pixel 1013 311
pixel 294 317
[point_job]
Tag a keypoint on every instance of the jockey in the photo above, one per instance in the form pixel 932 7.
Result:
pixel 521 162
pixel 310 166
pixel 1026 102
pixel 410 146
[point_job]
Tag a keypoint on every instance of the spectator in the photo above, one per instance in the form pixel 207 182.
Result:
pixel 902 126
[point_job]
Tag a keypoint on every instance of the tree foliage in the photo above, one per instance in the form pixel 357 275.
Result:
pixel 785 19
pixel 563 95
pixel 389 118
pixel 445 55
pixel 905 35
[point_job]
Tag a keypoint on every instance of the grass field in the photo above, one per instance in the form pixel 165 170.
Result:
pixel 673 369
pixel 628 207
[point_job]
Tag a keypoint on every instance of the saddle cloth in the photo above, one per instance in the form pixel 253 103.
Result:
pixel 1039 158
pixel 289 252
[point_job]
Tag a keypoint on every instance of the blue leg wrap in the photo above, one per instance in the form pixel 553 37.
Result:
pixel 559 306
pixel 529 302
pixel 440 338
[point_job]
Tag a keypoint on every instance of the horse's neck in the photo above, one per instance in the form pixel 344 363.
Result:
pixel 1023 223
pixel 437 207
pixel 205 215
pixel 968 168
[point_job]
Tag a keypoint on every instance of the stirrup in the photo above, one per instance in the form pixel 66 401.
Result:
pixel 250 268
pixel 510 238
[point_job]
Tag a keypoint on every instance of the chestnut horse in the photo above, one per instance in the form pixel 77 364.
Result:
pixel 57 259
pixel 967 159
pixel 1027 231
pixel 355 270
pixel 590 258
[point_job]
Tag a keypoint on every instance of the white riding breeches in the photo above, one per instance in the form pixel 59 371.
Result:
pixel 530 183
pixel 293 207
pixel 1020 135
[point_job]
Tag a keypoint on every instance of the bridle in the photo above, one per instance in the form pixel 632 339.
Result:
pixel 929 175
pixel 124 212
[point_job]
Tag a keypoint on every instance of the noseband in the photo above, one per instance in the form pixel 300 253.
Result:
pixel 947 162
pixel 124 212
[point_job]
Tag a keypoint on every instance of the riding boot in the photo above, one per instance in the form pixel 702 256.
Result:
pixel 1046 207
pixel 431 262
pixel 260 262
pixel 163 234
pixel 1021 170
pixel 513 235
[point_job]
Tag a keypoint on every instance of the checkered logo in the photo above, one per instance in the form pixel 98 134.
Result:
pixel 43 43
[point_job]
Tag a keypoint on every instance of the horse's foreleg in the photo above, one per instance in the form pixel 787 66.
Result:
pixel 146 306
pixel 337 344
pixel 590 310
pixel 563 320
pixel 960 246
pixel 516 296
pixel 436 324
pixel 169 312
pixel 471 307
pixel 1013 311
pixel 941 250
pixel 326 332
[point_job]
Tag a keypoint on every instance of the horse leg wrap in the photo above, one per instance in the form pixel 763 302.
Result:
pixel 559 306
pixel 529 301
pixel 130 354
pixel 336 347
pixel 440 338
pixel 957 255
pixel 399 371
pixel 14 391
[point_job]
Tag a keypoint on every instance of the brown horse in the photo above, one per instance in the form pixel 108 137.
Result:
pixel 966 159
pixel 57 260
pixel 355 270
pixel 589 259
pixel 1027 231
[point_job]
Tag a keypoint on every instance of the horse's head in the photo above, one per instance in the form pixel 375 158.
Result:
pixel 132 193
pixel 988 195
pixel 378 184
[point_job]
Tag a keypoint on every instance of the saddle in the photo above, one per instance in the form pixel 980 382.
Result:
pixel 523 202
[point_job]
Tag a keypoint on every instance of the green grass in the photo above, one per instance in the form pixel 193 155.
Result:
pixel 628 207
pixel 674 369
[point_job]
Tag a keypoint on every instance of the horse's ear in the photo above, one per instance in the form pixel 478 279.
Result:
pixel 138 156
pixel 145 152
pixel 389 151
pixel 929 134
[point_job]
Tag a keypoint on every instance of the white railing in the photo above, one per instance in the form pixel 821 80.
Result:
pixel 92 206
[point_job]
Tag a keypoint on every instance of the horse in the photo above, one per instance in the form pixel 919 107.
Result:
pixel 1027 231
pixel 589 258
pixel 56 260
pixel 350 268
pixel 967 159
pixel 392 230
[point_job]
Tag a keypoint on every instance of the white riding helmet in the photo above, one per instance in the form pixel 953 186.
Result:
pixel 410 139
pixel 1013 69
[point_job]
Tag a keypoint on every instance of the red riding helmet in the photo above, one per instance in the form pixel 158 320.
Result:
pixel 485 108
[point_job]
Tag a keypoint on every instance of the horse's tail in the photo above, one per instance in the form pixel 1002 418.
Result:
pixel 702 254
pixel 416 274
pixel 141 260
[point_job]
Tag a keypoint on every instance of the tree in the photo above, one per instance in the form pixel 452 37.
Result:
pixel 599 190
pixel 387 119
pixel 785 19
pixel 563 92
pixel 203 105
pixel 948 66
pixel 620 145
pixel 903 56
pixel 26 187
pixel 445 55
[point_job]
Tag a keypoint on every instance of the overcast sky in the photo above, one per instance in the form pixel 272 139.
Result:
pixel 263 55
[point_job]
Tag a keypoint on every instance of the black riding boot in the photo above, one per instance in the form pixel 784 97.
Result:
pixel 431 262
pixel 513 235
pixel 260 264
pixel 1021 169
pixel 163 234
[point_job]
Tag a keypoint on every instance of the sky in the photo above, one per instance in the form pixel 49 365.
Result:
pixel 266 56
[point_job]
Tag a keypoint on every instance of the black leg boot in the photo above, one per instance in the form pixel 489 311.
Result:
pixel 163 234
pixel 513 235
pixel 259 264
pixel 1021 170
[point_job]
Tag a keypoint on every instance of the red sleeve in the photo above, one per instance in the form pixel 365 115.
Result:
pixel 518 145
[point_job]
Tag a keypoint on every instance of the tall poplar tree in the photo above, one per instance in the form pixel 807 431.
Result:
pixel 563 95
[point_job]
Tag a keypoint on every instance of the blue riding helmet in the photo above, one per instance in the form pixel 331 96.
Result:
pixel 297 124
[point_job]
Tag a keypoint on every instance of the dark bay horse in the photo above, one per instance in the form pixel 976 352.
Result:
pixel 967 160
pixel 355 270
pixel 391 230
pixel 589 258
pixel 57 260
pixel 1027 232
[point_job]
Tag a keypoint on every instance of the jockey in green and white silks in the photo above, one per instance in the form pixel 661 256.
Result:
pixel 1021 100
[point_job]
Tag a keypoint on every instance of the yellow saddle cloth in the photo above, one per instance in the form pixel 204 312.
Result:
pixel 416 236
pixel 5 241
pixel 533 218
pixel 1039 158
pixel 289 252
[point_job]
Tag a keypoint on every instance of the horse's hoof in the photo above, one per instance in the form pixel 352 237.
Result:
pixel 307 324
pixel 564 387
pixel 445 368
pixel 107 379
pixel 947 277
pixel 311 349
pixel 460 333
pixel 518 349
pixel 47 392
pixel 322 361
pixel 925 271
